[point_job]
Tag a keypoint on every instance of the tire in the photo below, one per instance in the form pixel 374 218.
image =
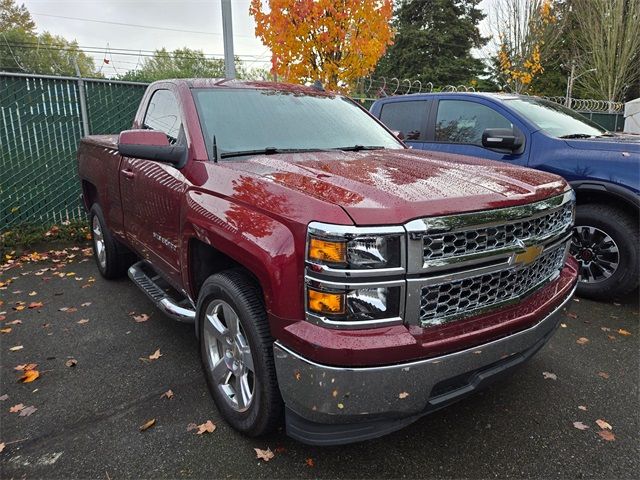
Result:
pixel 261 411
pixel 602 236
pixel 117 258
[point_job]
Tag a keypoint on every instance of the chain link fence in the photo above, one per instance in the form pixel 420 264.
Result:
pixel 41 124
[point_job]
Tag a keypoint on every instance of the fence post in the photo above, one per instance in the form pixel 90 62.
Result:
pixel 83 101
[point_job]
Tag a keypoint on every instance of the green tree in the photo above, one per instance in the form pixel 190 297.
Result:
pixel 433 42
pixel 180 63
pixel 22 49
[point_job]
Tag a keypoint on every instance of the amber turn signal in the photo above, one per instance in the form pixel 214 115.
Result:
pixel 323 302
pixel 327 251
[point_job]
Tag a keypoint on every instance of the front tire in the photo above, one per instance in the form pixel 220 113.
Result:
pixel 237 352
pixel 605 243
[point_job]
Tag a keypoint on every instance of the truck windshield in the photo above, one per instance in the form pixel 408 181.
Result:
pixel 555 119
pixel 272 121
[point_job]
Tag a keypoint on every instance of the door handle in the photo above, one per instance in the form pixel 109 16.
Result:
pixel 128 173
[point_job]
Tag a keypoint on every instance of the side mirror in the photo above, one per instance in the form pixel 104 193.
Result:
pixel 501 139
pixel 151 145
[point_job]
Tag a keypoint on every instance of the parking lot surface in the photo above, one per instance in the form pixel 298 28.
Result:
pixel 87 417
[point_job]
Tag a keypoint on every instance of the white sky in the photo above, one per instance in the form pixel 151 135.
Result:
pixel 190 15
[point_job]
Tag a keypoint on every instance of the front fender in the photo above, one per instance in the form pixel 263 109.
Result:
pixel 270 249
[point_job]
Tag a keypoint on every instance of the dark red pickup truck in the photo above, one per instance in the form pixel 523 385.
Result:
pixel 334 276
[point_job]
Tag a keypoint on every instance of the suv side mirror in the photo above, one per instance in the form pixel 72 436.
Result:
pixel 502 139
pixel 151 145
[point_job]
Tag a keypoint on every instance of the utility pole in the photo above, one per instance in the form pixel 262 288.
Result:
pixel 84 117
pixel 567 99
pixel 227 35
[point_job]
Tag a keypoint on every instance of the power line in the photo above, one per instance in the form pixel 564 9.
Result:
pixel 123 24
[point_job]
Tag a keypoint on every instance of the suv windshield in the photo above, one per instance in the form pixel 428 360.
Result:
pixel 246 121
pixel 555 119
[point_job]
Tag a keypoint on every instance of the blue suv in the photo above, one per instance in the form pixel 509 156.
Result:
pixel 602 167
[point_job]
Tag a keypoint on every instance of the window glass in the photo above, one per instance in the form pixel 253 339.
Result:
pixel 459 121
pixel 555 119
pixel 163 114
pixel 253 119
pixel 406 117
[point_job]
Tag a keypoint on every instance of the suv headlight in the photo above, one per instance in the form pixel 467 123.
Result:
pixel 344 265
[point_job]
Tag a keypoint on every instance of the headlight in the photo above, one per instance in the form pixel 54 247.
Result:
pixel 352 248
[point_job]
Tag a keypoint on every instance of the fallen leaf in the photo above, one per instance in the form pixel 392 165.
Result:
pixel 624 332
pixel 143 317
pixel 402 395
pixel 571 315
pixel 603 425
pixel 36 305
pixel 206 427
pixel 29 376
pixel 168 395
pixel 607 435
pixel 191 426
pixel 155 355
pixel 25 366
pixel 72 362
pixel 85 304
pixel 33 294
pixel 14 322
pixel 580 425
pixel 16 348
pixel 605 329
pixel 582 341
pixel 82 321
pixel 148 424
pixel 16 408
pixel 563 325
pixel 4 397
pixel 27 411
pixel 2 445
pixel 265 455
pixel 309 462
pixel 340 406
pixel 19 308
pixel 5 330
pixel 603 374
pixel 68 309
pixel 582 407
pixel 549 375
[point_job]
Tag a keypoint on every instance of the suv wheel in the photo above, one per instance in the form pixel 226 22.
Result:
pixel 605 243
pixel 112 258
pixel 237 352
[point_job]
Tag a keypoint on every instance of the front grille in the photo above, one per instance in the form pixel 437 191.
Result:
pixel 484 239
pixel 451 300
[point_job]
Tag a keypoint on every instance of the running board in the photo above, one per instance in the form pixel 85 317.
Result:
pixel 163 300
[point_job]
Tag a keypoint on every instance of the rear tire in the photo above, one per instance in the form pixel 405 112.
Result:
pixel 237 352
pixel 605 243
pixel 112 258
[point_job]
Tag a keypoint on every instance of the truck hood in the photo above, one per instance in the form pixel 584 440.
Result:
pixel 618 143
pixel 395 186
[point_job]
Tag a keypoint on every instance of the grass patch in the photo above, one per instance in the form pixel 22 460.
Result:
pixel 19 239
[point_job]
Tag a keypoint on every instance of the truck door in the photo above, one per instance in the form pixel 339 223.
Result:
pixel 152 192
pixel 456 126
pixel 409 118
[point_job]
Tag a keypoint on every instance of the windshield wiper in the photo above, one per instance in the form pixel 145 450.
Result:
pixel 357 148
pixel 267 151
pixel 577 135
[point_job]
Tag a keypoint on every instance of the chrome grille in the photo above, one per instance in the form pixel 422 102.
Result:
pixel 451 300
pixel 483 239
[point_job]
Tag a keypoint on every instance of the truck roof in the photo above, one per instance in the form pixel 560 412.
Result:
pixel 494 95
pixel 248 84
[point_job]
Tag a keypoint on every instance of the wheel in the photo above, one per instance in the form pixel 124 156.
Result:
pixel 112 258
pixel 605 243
pixel 237 354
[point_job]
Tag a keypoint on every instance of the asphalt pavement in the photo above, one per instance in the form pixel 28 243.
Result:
pixel 87 417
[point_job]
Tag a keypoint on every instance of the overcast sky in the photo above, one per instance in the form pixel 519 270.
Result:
pixel 199 21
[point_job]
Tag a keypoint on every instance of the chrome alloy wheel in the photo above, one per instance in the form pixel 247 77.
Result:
pixel 98 243
pixel 596 252
pixel 229 355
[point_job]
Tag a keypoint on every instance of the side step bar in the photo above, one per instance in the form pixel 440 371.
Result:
pixel 165 302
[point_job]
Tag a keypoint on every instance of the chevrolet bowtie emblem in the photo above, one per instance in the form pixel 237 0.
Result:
pixel 529 255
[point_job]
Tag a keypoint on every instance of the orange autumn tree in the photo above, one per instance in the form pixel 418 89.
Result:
pixel 334 41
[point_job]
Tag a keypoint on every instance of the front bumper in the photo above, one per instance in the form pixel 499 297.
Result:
pixel 328 405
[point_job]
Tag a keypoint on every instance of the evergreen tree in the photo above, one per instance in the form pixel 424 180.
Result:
pixel 433 42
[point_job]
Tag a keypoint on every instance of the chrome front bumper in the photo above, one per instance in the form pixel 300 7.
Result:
pixel 333 405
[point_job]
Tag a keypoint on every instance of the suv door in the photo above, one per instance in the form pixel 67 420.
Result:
pixel 409 118
pixel 152 191
pixel 456 126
